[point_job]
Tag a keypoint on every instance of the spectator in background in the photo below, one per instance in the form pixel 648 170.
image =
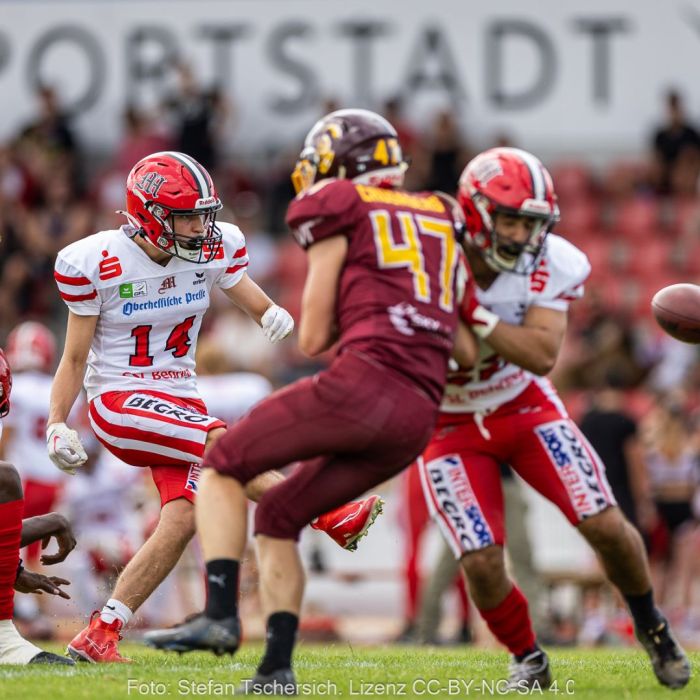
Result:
pixel 200 117
pixel 142 135
pixel 51 127
pixel 394 114
pixel 671 456
pixel 676 150
pixel 614 436
pixel 448 153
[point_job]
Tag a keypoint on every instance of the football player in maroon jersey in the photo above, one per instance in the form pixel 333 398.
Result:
pixel 382 284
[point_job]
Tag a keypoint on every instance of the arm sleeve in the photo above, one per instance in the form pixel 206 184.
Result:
pixel 237 264
pixel 76 289
pixel 327 209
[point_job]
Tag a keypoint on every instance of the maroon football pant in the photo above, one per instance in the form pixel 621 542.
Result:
pixel 353 426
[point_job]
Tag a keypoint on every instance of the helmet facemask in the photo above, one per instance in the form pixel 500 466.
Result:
pixel 194 249
pixel 305 170
pixel 503 254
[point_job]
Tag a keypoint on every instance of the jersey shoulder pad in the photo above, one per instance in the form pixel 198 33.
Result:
pixel 327 209
pixel 88 256
pixel 232 239
pixel 568 263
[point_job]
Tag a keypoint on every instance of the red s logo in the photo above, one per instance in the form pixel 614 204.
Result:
pixel 109 267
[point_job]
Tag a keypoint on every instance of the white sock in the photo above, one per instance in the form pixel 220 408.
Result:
pixel 116 610
pixel 15 649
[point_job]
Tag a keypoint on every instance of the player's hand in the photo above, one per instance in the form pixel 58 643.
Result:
pixel 65 448
pixel 30 582
pixel 277 323
pixel 65 539
pixel 473 314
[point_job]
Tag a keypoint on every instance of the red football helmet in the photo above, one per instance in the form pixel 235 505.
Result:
pixel 514 182
pixel 31 346
pixel 351 143
pixel 168 184
pixel 5 385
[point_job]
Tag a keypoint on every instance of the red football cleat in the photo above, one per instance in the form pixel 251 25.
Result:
pixel 349 523
pixel 97 643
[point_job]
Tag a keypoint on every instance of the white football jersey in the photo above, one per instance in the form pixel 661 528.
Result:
pixel 229 396
pixel 493 381
pixel 149 314
pixel 29 409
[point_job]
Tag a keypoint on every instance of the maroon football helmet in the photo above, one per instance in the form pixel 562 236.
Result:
pixel 168 184
pixel 351 143
pixel 5 385
pixel 508 181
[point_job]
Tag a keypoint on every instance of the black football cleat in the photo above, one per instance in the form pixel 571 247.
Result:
pixel 198 633
pixel 46 657
pixel 279 682
pixel 668 659
pixel 530 673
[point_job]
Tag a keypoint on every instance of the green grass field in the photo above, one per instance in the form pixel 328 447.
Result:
pixel 344 672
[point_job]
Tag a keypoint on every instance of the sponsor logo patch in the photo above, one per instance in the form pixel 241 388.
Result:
pixel 193 478
pixel 457 501
pixel 166 284
pixel 160 407
pixel 574 465
pixel 133 289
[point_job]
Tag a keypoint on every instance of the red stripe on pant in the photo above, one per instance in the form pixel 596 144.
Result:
pixel 147 436
pixel 10 537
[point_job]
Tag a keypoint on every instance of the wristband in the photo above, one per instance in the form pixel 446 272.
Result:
pixel 20 568
pixel 483 322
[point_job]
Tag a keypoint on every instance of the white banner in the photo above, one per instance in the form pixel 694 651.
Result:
pixel 554 75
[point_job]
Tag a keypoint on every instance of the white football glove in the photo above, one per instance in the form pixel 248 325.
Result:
pixel 65 448
pixel 276 323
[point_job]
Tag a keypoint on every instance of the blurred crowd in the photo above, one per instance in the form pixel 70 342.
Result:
pixel 636 391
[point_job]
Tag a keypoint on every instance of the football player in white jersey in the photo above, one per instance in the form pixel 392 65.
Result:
pixel 31 350
pixel 16 532
pixel 505 410
pixel 136 298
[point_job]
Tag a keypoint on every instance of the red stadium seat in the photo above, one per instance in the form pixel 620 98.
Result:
pixel 637 218
pixel 653 258
pixel 580 214
pixel 600 253
pixel 684 216
pixel 572 179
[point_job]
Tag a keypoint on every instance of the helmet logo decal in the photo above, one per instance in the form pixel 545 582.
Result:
pixel 486 169
pixel 151 183
pixel 324 149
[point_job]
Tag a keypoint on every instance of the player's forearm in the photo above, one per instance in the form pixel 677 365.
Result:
pixel 249 297
pixel 40 526
pixel 466 347
pixel 65 389
pixel 532 349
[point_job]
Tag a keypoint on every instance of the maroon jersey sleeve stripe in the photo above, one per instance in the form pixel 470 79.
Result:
pixel 241 253
pixel 78 297
pixel 64 279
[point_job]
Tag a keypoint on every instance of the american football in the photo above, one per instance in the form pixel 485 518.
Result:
pixel 677 310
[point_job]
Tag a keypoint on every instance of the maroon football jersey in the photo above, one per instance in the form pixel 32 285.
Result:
pixel 397 296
